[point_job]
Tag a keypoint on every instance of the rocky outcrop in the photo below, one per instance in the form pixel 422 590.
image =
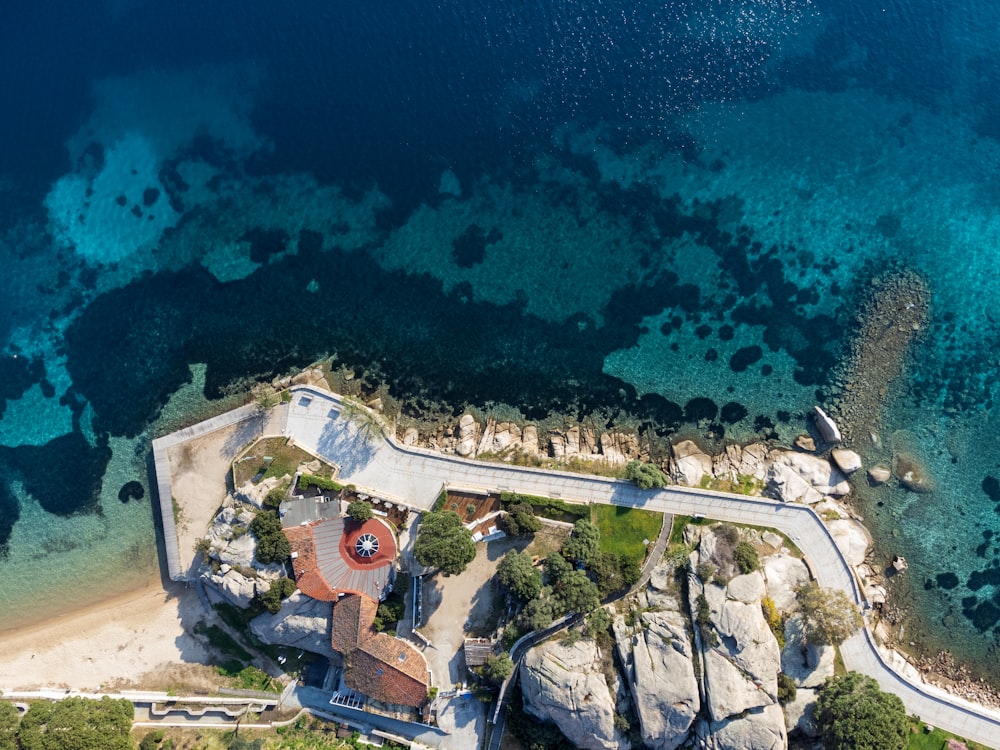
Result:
pixel 847 460
pixel 689 463
pixel 742 461
pixel 467 429
pixel 804 478
pixel 763 729
pixel 911 473
pixel 659 668
pixel 302 622
pixel 852 539
pixel 827 428
pixel 563 684
pixel 783 575
pixel 236 588
pixel 809 666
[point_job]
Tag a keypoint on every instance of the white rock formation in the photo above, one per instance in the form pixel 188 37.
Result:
pixel 804 478
pixel 879 474
pixel 467 429
pixel 689 463
pixel 784 574
pixel 302 622
pixel 852 539
pixel 828 429
pixel 236 588
pixel 763 729
pixel 847 460
pixel 564 684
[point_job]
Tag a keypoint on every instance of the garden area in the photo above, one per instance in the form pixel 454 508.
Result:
pixel 271 457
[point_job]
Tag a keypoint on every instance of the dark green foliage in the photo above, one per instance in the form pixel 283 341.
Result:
pixel 517 573
pixel 614 572
pixel 598 622
pixel 360 510
pixel 645 476
pixel 272 544
pixel 498 668
pixel 280 589
pixel 9 719
pixel 745 557
pixel 521 519
pixel 556 567
pixel 703 619
pixel 151 740
pixel 854 714
pixel 786 689
pixel 828 615
pixel 582 543
pixel 547 507
pixel 311 480
pixel 275 497
pixel 242 743
pixel 537 614
pixel 576 593
pixel 443 542
pixel 77 724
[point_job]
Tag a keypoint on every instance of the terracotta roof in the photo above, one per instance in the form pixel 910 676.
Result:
pixel 326 563
pixel 378 665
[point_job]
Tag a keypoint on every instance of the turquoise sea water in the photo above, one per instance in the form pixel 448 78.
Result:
pixel 655 213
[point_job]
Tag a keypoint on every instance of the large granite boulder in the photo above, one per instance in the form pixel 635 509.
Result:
pixel 804 478
pixel 689 463
pixel 809 665
pixel 852 539
pixel 741 668
pixel 784 575
pixel 847 460
pixel 234 587
pixel 563 683
pixel 760 729
pixel 660 673
pixel 467 429
pixel 302 622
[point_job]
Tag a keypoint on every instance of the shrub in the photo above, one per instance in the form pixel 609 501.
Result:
pixel 498 668
pixel 745 557
pixel 279 590
pixel 322 483
pixel 582 543
pixel 703 619
pixel 275 497
pixel 705 571
pixel 786 689
pixel 854 714
pixel 645 476
pixel 272 544
pixel 774 619
pixel 521 519
pixel 360 510
pixel 828 616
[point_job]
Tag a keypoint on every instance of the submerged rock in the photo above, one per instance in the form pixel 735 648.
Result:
pixel 879 474
pixel 911 473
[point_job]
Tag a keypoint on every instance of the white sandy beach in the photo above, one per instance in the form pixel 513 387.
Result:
pixel 146 630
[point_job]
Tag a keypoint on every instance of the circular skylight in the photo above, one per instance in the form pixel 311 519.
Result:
pixel 367 545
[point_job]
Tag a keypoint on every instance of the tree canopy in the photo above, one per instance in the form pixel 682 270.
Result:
pixel 521 519
pixel 9 719
pixel 517 573
pixel 645 476
pixel 828 616
pixel 443 542
pixel 360 510
pixel 582 543
pixel 498 668
pixel 854 714
pixel 272 544
pixel 537 614
pixel 77 724
pixel 577 593
pixel 556 567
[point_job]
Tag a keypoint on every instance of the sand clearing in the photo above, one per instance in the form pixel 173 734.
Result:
pixel 132 634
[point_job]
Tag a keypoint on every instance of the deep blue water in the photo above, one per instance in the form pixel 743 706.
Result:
pixel 654 213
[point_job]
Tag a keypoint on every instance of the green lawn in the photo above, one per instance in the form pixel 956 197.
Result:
pixel 921 739
pixel 623 529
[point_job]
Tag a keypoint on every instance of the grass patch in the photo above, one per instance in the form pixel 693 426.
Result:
pixel 285 459
pixel 547 507
pixel 624 529
pixel 839 668
pixel 937 739
pixel 226 645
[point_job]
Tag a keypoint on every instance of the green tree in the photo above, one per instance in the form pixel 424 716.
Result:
pixel 786 689
pixel 272 544
pixel 443 542
pixel 556 567
pixel 360 510
pixel 279 590
pixel 829 617
pixel 77 724
pixel 854 714
pixel 517 573
pixel 645 476
pixel 538 613
pixel 9 719
pixel 498 667
pixel 577 593
pixel 521 519
pixel 745 557
pixel 582 543
pixel 598 622
pixel 151 740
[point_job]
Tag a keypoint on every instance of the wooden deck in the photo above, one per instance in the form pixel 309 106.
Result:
pixel 161 463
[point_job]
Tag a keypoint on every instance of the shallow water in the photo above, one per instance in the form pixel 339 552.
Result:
pixel 664 214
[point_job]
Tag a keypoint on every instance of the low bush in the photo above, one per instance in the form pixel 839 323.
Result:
pixel 312 480
pixel 745 557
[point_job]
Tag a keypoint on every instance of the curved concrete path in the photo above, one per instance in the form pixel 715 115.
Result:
pixel 416 476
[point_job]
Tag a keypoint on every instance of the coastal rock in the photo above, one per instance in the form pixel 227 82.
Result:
pixel 809 665
pixel 741 669
pixel 254 494
pixel 238 552
pixel 801 713
pixel 784 574
pixel 852 539
pixel 763 729
pixel 660 670
pixel 828 429
pixel 689 463
pixel 618 448
pixel 800 477
pixel 805 443
pixel 564 684
pixel 847 460
pixel 879 474
pixel 529 439
pixel 467 429
pixel 754 461
pixel 236 588
pixel 302 622
pixel 911 474
pixel 411 436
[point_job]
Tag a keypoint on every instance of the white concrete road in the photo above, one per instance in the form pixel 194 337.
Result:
pixel 416 476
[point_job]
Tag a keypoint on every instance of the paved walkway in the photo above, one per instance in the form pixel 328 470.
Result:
pixel 417 475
